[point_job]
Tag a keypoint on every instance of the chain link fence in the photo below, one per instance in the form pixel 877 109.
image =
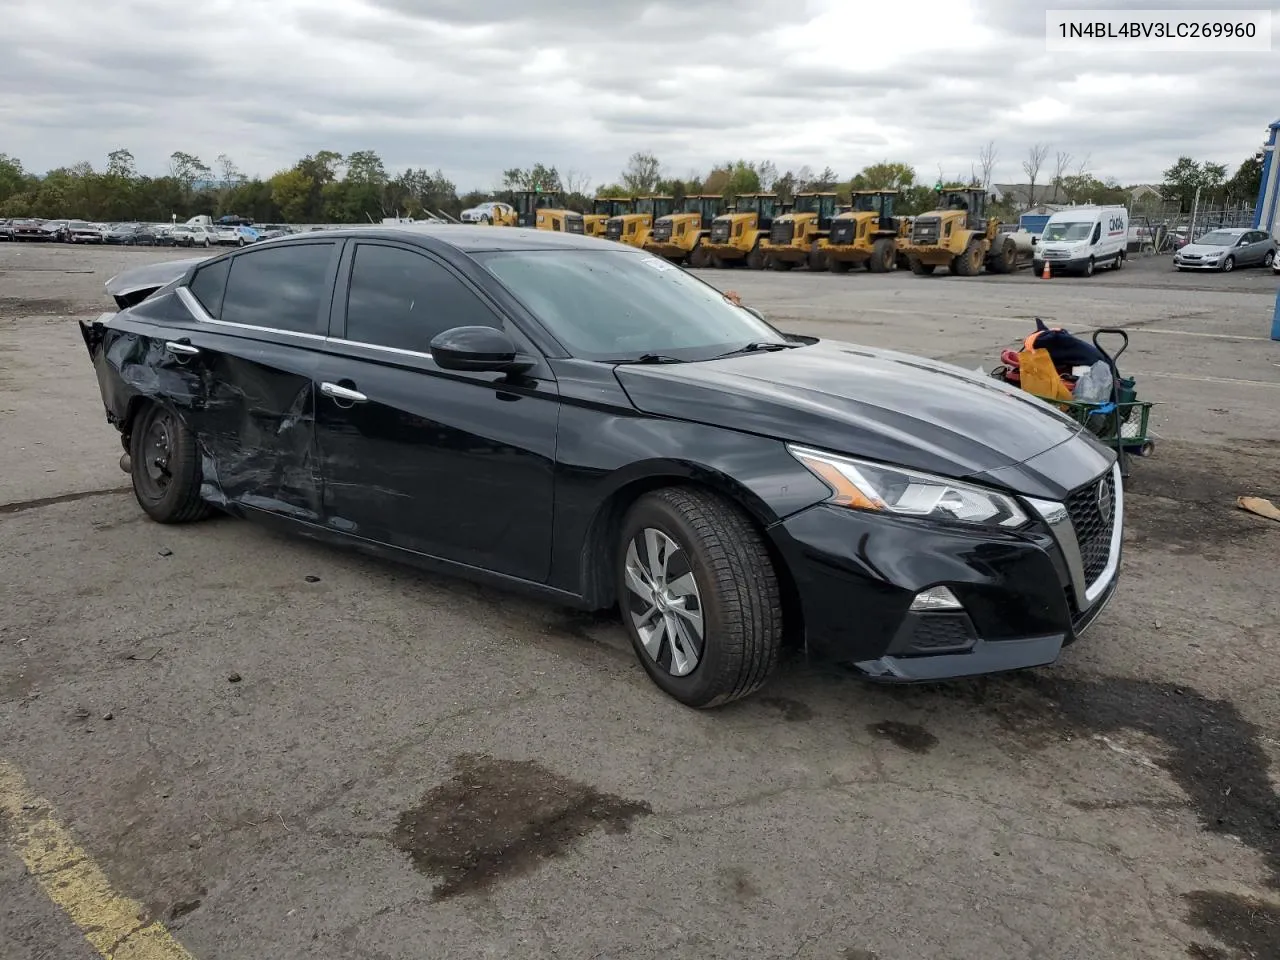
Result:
pixel 1160 226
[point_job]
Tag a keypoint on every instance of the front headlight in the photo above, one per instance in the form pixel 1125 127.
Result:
pixel 874 486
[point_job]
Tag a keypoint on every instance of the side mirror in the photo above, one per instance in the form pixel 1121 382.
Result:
pixel 476 349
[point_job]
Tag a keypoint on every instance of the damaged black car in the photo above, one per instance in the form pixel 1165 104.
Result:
pixel 585 421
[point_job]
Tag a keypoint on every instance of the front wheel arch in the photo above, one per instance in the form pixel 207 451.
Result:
pixel 597 570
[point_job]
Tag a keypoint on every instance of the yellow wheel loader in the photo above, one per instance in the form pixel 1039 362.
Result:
pixel 679 236
pixel 866 234
pixel 739 235
pixel 542 211
pixel 959 237
pixel 602 209
pixel 633 228
pixel 794 236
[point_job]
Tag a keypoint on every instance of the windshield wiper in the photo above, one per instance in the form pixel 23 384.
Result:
pixel 652 358
pixel 758 346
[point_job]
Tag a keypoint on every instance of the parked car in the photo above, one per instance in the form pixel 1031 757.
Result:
pixel 192 235
pixel 235 236
pixel 133 234
pixel 6 229
pixel 81 231
pixel 486 212
pixel 597 426
pixel 29 229
pixel 55 230
pixel 1227 249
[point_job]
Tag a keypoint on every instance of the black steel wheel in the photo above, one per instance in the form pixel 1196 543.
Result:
pixel 699 596
pixel 165 467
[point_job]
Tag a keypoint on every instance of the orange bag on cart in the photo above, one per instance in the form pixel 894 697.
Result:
pixel 1038 375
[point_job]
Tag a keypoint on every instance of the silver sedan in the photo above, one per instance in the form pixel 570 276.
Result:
pixel 1227 249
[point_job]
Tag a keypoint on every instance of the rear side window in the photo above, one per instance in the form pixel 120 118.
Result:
pixel 208 285
pixel 280 288
pixel 401 299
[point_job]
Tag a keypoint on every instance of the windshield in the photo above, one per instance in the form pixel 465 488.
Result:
pixel 619 306
pixel 745 205
pixel 1068 231
pixel 644 205
pixel 1219 238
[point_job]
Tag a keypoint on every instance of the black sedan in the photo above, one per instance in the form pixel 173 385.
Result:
pixel 589 422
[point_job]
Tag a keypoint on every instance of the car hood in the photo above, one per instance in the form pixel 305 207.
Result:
pixel 878 404
pixel 1201 249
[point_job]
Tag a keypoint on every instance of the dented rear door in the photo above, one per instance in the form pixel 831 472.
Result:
pixel 262 314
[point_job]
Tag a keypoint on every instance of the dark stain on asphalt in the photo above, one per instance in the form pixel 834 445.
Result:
pixel 184 907
pixel 740 884
pixel 1203 951
pixel 792 711
pixel 1250 927
pixel 1186 500
pixel 500 818
pixel 1213 753
pixel 908 736
pixel 856 953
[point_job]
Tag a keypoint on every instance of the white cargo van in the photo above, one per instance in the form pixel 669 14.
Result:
pixel 1079 239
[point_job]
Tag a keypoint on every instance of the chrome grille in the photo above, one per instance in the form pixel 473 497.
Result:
pixel 613 229
pixel 1092 513
pixel 720 231
pixel 574 224
pixel 662 231
pixel 782 232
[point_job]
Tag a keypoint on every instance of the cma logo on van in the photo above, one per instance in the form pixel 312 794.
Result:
pixel 1115 226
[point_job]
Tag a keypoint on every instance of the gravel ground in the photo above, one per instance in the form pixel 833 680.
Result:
pixel 284 750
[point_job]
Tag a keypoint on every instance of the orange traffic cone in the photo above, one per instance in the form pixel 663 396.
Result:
pixel 1045 274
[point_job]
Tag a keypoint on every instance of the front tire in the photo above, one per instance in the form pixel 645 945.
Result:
pixel 699 596
pixel 881 256
pixel 165 467
pixel 839 266
pixel 756 258
pixel 1089 267
pixel 1228 264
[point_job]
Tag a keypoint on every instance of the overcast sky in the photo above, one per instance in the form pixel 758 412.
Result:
pixel 475 86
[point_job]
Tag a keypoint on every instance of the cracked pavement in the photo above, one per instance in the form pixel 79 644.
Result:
pixel 1113 805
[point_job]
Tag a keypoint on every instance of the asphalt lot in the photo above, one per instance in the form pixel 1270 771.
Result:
pixel 387 731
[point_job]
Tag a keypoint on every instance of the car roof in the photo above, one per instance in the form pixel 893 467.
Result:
pixel 468 239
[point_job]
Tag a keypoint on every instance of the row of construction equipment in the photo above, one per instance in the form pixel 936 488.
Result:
pixel 814 230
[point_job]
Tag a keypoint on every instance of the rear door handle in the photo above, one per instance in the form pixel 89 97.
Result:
pixel 181 349
pixel 343 394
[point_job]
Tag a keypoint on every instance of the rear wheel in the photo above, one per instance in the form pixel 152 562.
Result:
pixel 699 596
pixel 839 266
pixel 817 259
pixel 165 467
pixel 699 257
pixel 969 263
pixel 1120 258
pixel 921 269
pixel 775 264
pixel 881 256
pixel 756 258
pixel 716 262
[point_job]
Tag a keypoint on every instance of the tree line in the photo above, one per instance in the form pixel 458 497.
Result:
pixel 328 187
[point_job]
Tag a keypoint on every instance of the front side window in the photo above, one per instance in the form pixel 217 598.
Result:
pixel 402 299
pixel 280 288
pixel 619 306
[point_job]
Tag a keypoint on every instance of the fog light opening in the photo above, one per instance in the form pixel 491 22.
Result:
pixel 935 599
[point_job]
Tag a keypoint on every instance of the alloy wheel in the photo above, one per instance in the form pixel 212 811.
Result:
pixel 663 601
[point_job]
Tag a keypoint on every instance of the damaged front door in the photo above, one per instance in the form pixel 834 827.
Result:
pixel 266 311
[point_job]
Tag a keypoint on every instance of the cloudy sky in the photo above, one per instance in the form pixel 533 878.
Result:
pixel 475 86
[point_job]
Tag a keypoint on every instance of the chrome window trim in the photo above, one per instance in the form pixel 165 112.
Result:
pixel 378 346
pixel 195 308
pixel 1059 521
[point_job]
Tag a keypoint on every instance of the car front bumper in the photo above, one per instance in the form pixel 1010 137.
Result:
pixel 1059 264
pixel 1023 595
pixel 1196 264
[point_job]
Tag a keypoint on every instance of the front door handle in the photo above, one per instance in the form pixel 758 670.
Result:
pixel 342 394
pixel 181 349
